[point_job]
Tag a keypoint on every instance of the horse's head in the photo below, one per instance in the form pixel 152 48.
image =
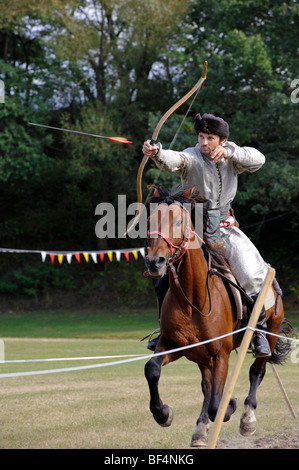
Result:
pixel 169 230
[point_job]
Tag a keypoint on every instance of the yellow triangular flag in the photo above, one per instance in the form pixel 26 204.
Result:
pixel 60 258
pixel 110 255
pixel 135 254
pixel 86 256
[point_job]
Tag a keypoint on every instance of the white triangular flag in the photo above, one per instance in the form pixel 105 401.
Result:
pixel 117 254
pixel 69 257
pixel 94 257
pixel 44 255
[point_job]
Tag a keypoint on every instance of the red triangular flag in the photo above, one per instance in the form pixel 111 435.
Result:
pixel 102 256
pixel 52 257
pixel 126 255
pixel 77 256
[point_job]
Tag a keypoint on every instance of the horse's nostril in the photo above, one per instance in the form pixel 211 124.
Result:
pixel 155 263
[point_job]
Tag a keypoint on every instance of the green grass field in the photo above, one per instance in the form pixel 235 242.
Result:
pixel 107 407
pixel 72 324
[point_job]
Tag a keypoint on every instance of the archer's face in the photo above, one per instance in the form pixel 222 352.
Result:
pixel 208 142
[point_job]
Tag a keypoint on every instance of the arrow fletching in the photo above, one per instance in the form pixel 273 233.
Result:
pixel 123 140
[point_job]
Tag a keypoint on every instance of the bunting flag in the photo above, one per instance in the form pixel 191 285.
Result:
pixel 94 255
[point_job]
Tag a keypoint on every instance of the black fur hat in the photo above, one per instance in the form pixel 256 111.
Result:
pixel 210 124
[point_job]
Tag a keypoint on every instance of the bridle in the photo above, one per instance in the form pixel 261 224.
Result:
pixel 177 252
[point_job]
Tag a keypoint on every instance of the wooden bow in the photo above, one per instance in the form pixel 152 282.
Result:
pixel 154 139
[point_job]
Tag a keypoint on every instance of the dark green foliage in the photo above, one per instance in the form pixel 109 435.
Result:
pixel 116 73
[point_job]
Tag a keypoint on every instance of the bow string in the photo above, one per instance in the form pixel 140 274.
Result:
pixel 154 138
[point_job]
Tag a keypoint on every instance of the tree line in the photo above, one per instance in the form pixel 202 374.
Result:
pixel 111 67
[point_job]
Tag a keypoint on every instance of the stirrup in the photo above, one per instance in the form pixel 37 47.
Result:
pixel 151 335
pixel 152 342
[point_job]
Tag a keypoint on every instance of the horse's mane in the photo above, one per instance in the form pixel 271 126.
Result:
pixel 176 194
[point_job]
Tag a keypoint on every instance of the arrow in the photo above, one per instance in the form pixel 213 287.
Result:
pixel 122 140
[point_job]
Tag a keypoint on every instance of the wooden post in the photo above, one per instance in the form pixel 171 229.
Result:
pixel 284 393
pixel 240 358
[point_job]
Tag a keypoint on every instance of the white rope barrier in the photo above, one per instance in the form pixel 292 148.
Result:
pixel 273 334
pixel 112 363
pixel 59 359
pixel 93 366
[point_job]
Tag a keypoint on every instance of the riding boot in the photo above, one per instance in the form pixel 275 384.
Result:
pixel 161 287
pixel 260 345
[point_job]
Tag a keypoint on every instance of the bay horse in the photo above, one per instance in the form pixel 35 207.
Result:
pixel 198 307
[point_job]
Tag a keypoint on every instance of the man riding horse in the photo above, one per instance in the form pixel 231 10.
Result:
pixel 213 165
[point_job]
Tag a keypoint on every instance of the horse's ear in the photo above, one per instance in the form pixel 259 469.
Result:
pixel 154 188
pixel 189 193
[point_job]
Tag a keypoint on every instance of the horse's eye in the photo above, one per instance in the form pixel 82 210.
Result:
pixel 179 223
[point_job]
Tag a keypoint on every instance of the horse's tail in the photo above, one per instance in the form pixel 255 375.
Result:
pixel 283 346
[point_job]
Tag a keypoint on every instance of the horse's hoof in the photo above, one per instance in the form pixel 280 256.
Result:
pixel 200 436
pixel 199 441
pixel 169 413
pixel 248 422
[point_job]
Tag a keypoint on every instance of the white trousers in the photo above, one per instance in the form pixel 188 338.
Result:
pixel 246 263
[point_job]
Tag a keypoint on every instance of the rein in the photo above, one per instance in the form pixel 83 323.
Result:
pixel 179 252
pixel 179 287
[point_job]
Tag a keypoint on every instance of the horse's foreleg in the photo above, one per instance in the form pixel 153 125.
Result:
pixel 200 436
pixel 220 371
pixel 256 375
pixel 162 413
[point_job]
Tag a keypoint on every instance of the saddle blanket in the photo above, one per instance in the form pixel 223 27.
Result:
pixel 269 302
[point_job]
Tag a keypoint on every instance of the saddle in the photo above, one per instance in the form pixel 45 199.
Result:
pixel 241 299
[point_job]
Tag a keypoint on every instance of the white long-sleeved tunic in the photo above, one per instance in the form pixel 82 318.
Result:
pixel 218 183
